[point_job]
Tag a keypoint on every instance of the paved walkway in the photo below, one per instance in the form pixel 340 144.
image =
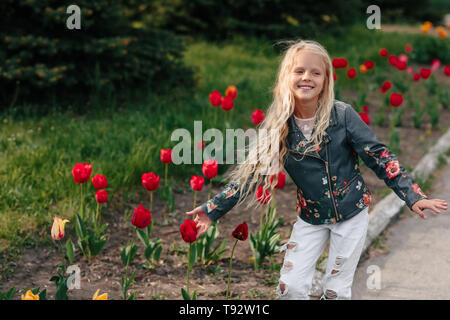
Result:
pixel 417 264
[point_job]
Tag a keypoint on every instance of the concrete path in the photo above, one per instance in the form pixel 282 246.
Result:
pixel 417 262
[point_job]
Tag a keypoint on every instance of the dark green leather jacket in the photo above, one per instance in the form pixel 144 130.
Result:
pixel 330 187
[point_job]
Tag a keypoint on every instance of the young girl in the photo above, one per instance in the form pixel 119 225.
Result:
pixel 319 142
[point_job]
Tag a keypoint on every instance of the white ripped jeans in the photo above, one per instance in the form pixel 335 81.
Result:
pixel 305 245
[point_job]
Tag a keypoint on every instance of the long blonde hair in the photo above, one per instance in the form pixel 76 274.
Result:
pixel 250 174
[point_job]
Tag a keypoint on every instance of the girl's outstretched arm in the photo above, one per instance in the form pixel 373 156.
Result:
pixel 386 166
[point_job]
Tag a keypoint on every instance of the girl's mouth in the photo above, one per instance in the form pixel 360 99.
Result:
pixel 305 87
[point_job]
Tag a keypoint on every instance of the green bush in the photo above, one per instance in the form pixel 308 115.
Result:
pixel 40 58
pixel 426 48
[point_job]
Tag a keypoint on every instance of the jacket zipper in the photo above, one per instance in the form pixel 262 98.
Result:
pixel 328 175
pixel 329 184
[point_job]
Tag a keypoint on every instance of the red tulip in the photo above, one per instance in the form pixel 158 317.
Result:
pixel 425 73
pixel 351 73
pixel 197 183
pixel 365 117
pixel 408 48
pixel 281 180
pixel 227 103
pixel 231 92
pixel 99 181
pixel 141 217
pixel 396 99
pixel 369 64
pixel 257 116
pixel 447 70
pixel 401 65
pixel 166 155
pixel 365 109
pixel 386 86
pixel 241 232
pixel 334 76
pixel 215 98
pixel 339 63
pixel 150 181
pixel 435 65
pixel 101 196
pixel 81 172
pixel 393 60
pixel 189 231
pixel 383 52
pixel 416 77
pixel 209 168
pixel 200 145
pixel 259 195
pixel 409 70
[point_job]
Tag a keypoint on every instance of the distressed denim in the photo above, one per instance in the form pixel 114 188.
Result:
pixel 305 245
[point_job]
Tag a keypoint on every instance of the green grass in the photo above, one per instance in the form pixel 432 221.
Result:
pixel 38 152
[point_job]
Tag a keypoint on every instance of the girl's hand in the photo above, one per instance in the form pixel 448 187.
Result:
pixel 202 220
pixel 434 204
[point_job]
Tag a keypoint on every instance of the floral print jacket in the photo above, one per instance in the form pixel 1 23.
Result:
pixel 330 187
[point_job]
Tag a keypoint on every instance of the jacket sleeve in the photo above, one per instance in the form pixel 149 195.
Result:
pixel 380 159
pixel 223 202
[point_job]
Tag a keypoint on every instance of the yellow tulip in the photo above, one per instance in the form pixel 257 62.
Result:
pixel 30 296
pixel 58 228
pixel 103 296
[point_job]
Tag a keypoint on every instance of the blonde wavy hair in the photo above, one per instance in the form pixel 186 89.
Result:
pixel 253 172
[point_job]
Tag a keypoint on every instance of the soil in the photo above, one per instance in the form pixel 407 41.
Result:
pixel 164 281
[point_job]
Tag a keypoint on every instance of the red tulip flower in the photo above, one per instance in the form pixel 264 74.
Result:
pixel 401 65
pixel 383 52
pixel 447 70
pixel 231 92
pixel 209 168
pixel 227 103
pixel 339 63
pixel 166 155
pixel 435 65
pixel 257 116
pixel 393 60
pixel 101 196
pixel 259 195
pixel 396 99
pixel 200 145
pixel 141 217
pixel 403 57
pixel 369 64
pixel 281 180
pixel 351 73
pixel 81 172
pixel 425 73
pixel 365 117
pixel 241 232
pixel 409 70
pixel 150 181
pixel 408 48
pixel 386 86
pixel 334 76
pixel 197 183
pixel 416 77
pixel 189 231
pixel 99 181
pixel 215 98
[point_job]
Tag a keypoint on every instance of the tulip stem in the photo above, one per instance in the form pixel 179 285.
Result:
pixel 229 271
pixel 97 216
pixel 151 200
pixel 128 263
pixel 188 268
pixel 165 174
pixel 215 118
pixel 195 198
pixel 210 188
pixel 82 202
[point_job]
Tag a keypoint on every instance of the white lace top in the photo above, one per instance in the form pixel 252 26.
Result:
pixel 305 125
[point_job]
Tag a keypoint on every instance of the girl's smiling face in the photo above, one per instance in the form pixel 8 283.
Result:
pixel 307 76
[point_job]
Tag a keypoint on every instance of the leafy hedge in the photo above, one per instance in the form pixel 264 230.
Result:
pixel 40 58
